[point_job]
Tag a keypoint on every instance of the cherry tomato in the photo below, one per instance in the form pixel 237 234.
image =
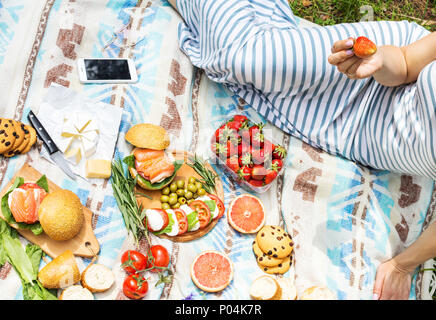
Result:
pixel 133 261
pixel 203 212
pixel 182 220
pixel 219 204
pixel 161 257
pixel 135 286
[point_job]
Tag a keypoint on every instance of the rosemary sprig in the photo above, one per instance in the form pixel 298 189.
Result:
pixel 124 192
pixel 208 181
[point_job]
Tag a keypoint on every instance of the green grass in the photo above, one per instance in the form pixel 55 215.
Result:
pixel 328 12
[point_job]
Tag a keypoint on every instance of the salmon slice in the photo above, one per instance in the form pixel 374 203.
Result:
pixel 24 204
pixel 153 165
pixel 143 155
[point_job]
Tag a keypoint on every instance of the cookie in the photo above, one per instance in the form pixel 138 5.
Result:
pixel 32 138
pixel 275 242
pixel 263 259
pixel 281 268
pixel 7 139
pixel 18 133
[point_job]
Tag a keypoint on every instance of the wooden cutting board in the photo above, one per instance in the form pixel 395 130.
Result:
pixel 183 173
pixel 84 244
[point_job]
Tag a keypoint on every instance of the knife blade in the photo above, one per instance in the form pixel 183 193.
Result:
pixel 49 144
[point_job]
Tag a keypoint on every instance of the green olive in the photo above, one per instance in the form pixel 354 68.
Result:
pixel 173 194
pixel 166 191
pixel 201 192
pixel 173 187
pixel 182 200
pixel 172 200
pixel 180 192
pixel 175 206
pixel 188 194
pixel 165 206
pixel 195 196
pixel 192 180
pixel 164 198
pixel 198 185
pixel 192 188
pixel 180 184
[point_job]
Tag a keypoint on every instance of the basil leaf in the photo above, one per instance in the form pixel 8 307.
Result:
pixel 211 204
pixel 159 185
pixel 4 202
pixel 192 220
pixel 43 183
pixel 130 161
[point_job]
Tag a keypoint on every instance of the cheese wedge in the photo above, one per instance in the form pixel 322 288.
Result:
pixel 97 168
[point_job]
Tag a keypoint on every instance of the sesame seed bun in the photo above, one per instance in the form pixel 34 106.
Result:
pixel 148 136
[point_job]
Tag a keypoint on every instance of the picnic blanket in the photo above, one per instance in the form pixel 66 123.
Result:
pixel 345 219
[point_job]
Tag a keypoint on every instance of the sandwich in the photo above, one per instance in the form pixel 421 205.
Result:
pixel 149 164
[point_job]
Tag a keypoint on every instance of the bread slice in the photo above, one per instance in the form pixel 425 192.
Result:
pixel 149 136
pixel 76 292
pixel 97 278
pixel 265 288
pixel 289 292
pixel 61 272
pixel 317 293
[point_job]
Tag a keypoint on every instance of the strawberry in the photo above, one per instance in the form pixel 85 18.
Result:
pixel 234 125
pixel 277 164
pixel 271 174
pixel 364 48
pixel 245 173
pixel 245 134
pixel 232 149
pixel 256 183
pixel 243 148
pixel 245 160
pixel 279 152
pixel 219 148
pixel 268 146
pixel 258 172
pixel 240 118
pixel 259 156
pixel 232 164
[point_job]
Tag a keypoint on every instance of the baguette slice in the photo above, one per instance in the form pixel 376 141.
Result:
pixel 317 293
pixel 97 278
pixel 265 288
pixel 61 272
pixel 76 292
pixel 289 292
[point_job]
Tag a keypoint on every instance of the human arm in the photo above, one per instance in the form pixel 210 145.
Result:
pixel 393 278
pixel 390 65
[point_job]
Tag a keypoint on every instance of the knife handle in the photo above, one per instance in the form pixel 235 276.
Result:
pixel 42 134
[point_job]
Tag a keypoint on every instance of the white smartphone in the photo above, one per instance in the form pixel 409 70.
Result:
pixel 107 70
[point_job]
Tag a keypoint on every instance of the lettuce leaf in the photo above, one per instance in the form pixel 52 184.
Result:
pixel 168 227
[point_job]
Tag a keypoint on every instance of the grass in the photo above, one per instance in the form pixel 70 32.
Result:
pixel 328 12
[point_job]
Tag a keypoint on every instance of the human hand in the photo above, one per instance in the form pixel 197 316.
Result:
pixel 392 282
pixel 353 67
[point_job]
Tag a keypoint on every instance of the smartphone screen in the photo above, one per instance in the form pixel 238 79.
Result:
pixel 107 69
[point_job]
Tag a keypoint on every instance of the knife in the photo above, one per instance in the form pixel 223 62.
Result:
pixel 53 150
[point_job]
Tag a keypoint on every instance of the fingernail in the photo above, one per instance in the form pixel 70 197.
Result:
pixel 375 296
pixel 350 52
pixel 349 43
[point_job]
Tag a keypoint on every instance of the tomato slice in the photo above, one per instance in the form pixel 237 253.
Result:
pixel 203 211
pixel 219 204
pixel 30 185
pixel 182 220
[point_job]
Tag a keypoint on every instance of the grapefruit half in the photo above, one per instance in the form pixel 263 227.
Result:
pixel 212 271
pixel 246 214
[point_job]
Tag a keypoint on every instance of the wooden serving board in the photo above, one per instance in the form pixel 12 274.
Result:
pixel 84 244
pixel 183 173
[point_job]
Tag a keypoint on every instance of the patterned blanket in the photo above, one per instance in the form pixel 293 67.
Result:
pixel 344 219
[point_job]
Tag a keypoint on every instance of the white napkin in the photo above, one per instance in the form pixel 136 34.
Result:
pixel 59 102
